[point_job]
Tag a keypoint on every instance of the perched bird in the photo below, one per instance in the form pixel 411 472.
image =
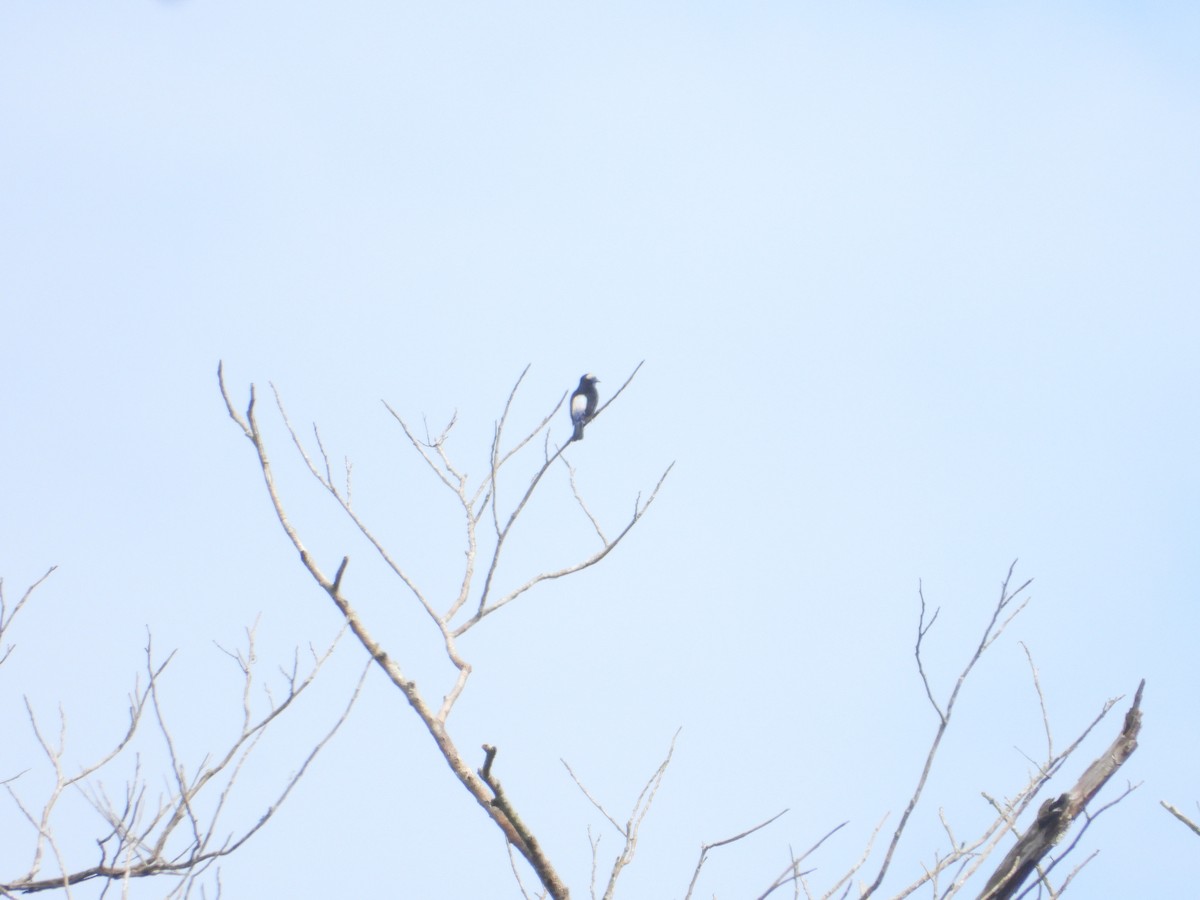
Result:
pixel 583 404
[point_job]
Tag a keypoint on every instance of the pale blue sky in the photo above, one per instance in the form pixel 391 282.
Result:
pixel 916 287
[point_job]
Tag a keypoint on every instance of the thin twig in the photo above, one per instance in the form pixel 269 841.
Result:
pixel 713 845
pixel 792 874
pixel 990 633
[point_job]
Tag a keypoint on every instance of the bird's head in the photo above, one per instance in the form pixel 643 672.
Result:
pixel 589 378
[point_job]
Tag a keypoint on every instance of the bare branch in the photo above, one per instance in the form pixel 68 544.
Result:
pixel 596 803
pixel 516 831
pixel 923 629
pixel 1043 872
pixel 1037 685
pixel 792 874
pixel 847 878
pixel 630 829
pixel 7 615
pixel 618 392
pixel 705 848
pixel 636 816
pixel 990 633
pixel 341 501
pixel 1180 816
pixel 639 511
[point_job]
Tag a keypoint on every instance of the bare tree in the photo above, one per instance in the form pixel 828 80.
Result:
pixel 476 599
pixel 179 836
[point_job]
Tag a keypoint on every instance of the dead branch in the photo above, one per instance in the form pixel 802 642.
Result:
pixel 516 832
pixel 1056 814
pixel 1180 816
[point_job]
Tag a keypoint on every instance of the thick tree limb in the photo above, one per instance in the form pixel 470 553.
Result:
pixel 1056 814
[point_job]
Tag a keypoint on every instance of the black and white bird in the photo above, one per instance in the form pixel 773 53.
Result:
pixel 583 404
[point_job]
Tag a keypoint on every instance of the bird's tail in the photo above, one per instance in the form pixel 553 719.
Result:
pixel 578 432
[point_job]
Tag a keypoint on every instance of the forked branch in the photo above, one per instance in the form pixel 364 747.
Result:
pixel 990 633
pixel 705 849
pixel 629 831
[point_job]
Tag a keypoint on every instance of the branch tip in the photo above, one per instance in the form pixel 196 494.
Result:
pixel 337 579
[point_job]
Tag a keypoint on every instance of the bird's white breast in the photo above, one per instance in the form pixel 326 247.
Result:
pixel 578 406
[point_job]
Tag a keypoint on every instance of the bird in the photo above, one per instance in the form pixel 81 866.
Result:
pixel 583 404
